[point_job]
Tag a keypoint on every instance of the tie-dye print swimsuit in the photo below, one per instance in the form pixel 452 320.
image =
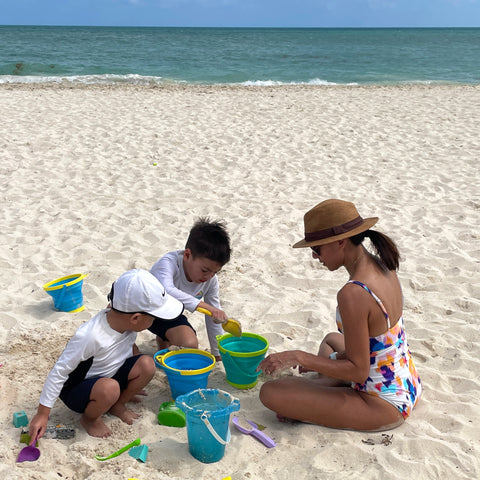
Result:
pixel 393 376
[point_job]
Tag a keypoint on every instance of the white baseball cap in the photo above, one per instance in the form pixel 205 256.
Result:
pixel 138 291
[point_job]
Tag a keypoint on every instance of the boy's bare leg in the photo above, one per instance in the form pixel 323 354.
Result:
pixel 140 375
pixel 182 336
pixel 104 394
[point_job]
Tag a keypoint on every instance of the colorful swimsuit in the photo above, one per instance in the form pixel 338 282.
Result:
pixel 393 376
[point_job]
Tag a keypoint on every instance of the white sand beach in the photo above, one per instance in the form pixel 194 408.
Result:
pixel 102 179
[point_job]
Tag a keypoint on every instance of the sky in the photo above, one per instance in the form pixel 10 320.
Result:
pixel 243 13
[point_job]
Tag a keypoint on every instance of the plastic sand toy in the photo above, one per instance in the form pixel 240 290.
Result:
pixel 171 416
pixel 119 452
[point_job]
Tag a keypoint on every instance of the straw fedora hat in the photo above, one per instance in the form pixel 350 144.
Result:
pixel 333 220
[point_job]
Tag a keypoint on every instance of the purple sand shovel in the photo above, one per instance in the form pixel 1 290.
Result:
pixel 29 453
pixel 255 432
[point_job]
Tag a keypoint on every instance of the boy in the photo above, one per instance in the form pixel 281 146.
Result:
pixel 97 372
pixel 190 275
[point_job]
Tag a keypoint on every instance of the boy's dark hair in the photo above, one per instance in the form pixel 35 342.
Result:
pixel 209 239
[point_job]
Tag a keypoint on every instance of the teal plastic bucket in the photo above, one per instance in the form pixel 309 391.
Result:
pixel 208 422
pixel 67 292
pixel 187 369
pixel 241 357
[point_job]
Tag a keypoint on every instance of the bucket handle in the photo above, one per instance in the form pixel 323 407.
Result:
pixel 215 435
pixel 161 354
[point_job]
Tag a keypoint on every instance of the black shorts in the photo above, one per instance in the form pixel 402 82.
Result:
pixel 160 326
pixel 77 395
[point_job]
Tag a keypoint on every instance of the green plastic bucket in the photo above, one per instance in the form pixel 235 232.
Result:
pixel 67 292
pixel 241 357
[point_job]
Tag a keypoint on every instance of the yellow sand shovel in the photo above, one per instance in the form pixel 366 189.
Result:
pixel 231 326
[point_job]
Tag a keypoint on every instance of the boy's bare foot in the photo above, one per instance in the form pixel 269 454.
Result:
pixel 95 428
pixel 125 415
pixel 138 397
pixel 162 344
pixel 304 370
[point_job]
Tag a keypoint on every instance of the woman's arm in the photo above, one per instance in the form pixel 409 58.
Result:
pixel 354 308
pixel 354 363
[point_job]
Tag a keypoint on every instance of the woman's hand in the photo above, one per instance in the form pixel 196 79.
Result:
pixel 276 362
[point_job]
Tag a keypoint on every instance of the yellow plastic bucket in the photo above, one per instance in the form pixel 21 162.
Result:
pixel 67 292
pixel 187 369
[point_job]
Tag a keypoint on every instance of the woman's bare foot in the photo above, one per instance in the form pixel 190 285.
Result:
pixel 95 428
pixel 283 419
pixel 122 412
pixel 304 370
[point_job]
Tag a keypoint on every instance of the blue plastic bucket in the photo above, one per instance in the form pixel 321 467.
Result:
pixel 187 369
pixel 67 292
pixel 208 418
pixel 241 357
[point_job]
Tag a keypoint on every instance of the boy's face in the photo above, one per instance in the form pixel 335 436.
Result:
pixel 142 322
pixel 199 269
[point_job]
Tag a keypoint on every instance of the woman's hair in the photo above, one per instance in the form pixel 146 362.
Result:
pixel 384 246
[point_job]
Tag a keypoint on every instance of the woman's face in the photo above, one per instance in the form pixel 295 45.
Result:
pixel 328 255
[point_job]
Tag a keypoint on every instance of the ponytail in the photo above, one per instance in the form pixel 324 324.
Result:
pixel 384 246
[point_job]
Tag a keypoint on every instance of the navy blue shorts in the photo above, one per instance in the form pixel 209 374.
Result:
pixel 77 396
pixel 160 327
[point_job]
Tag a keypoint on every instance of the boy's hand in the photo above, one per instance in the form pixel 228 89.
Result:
pixel 38 425
pixel 218 315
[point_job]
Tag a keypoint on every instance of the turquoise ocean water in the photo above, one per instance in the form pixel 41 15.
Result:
pixel 249 56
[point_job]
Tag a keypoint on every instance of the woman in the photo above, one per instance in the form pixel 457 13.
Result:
pixel 367 380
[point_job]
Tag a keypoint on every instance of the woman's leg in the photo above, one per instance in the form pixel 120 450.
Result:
pixel 308 400
pixel 332 342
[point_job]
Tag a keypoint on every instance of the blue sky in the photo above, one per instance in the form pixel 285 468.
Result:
pixel 243 13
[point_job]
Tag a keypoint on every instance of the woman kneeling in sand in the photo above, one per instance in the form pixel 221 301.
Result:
pixel 367 380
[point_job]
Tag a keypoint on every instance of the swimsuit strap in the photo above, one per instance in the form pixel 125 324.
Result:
pixel 379 302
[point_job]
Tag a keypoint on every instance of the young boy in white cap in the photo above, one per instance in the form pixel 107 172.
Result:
pixel 190 275
pixel 98 371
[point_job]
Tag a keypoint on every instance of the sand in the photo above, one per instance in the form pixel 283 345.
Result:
pixel 102 179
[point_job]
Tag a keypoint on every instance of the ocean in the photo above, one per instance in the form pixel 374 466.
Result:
pixel 239 56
